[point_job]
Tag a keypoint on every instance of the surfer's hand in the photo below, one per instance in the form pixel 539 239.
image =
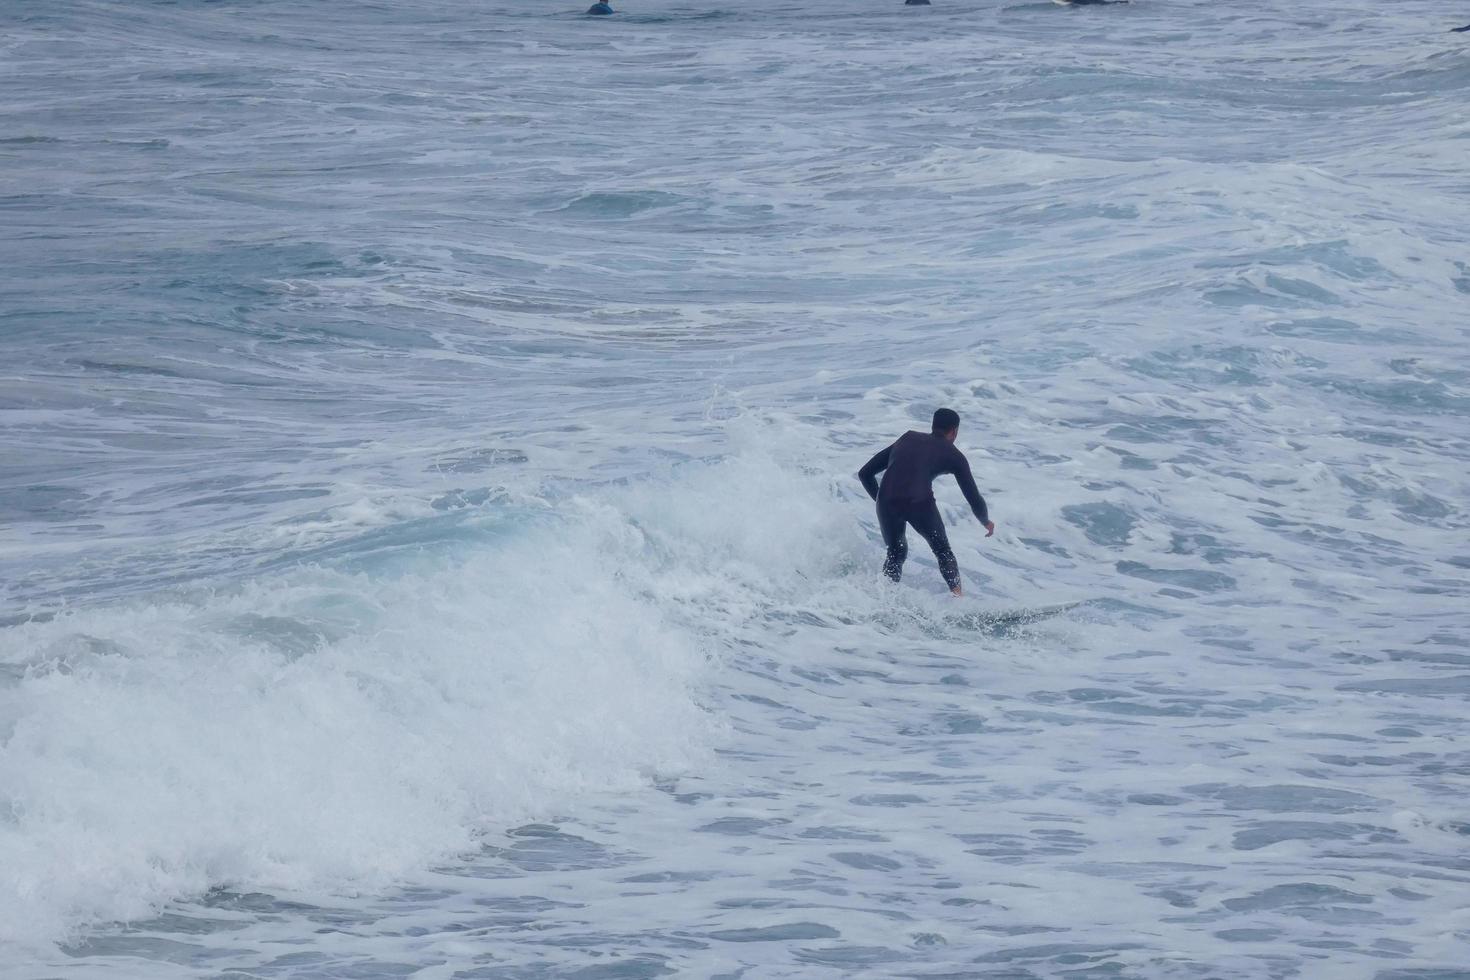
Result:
pixel 989 528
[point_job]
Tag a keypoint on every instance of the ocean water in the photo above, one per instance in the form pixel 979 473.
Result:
pixel 428 538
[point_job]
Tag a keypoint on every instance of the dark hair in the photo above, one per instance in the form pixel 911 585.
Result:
pixel 946 420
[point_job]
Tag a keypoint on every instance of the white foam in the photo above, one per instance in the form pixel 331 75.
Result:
pixel 334 730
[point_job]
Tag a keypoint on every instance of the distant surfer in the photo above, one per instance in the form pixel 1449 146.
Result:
pixel 600 9
pixel 906 496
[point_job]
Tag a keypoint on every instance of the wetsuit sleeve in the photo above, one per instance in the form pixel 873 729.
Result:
pixel 869 473
pixel 968 488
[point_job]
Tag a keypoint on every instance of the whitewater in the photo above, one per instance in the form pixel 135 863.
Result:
pixel 429 538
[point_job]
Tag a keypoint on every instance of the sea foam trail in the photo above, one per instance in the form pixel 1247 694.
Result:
pixel 329 729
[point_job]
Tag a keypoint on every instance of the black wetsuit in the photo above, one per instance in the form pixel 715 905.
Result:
pixel 907 497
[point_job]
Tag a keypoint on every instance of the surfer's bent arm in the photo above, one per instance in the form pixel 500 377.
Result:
pixel 971 492
pixel 869 473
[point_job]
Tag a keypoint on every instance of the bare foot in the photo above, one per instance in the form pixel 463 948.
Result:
pixel 956 591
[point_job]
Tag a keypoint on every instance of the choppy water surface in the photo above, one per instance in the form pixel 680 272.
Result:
pixel 427 538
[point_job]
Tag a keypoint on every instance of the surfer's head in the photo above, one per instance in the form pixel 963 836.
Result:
pixel 946 423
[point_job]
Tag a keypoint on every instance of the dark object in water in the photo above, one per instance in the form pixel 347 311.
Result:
pixel 916 3
pixel 600 9
pixel 1460 30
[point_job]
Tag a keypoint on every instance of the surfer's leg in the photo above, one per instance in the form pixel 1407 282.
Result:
pixel 891 524
pixel 928 523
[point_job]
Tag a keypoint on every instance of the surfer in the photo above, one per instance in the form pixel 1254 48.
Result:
pixel 906 495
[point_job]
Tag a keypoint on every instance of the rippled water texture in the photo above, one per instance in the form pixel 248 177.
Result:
pixel 428 544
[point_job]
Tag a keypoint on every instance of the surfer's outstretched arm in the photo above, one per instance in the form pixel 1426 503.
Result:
pixel 869 473
pixel 972 495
